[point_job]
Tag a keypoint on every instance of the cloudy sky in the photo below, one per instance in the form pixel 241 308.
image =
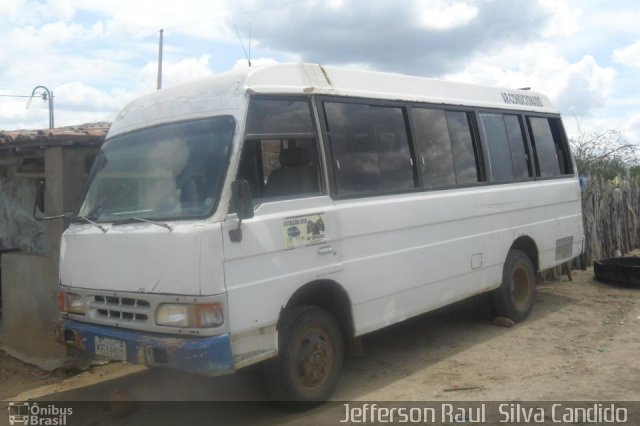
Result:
pixel 98 54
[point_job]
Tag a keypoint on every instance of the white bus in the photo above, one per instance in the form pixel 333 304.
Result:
pixel 274 213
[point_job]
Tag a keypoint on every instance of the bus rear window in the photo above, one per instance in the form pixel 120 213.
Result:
pixel 550 146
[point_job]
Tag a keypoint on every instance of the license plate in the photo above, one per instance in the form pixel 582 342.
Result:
pixel 111 348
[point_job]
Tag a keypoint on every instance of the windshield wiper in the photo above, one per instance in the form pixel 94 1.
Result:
pixel 139 219
pixel 87 220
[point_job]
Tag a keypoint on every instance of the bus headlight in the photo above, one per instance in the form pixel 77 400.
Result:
pixel 207 315
pixel 173 315
pixel 74 304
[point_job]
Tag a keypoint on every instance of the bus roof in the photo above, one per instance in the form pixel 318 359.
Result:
pixel 224 93
pixel 314 78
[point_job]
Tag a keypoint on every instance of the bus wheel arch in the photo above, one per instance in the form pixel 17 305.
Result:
pixel 312 329
pixel 526 244
pixel 328 295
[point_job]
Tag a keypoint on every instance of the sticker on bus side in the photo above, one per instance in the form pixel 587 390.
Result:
pixel 302 231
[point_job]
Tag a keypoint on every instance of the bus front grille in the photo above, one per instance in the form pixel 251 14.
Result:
pixel 118 309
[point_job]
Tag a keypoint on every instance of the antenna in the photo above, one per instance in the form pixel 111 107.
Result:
pixel 242 44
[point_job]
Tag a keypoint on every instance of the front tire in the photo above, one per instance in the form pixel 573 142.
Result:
pixel 309 357
pixel 515 297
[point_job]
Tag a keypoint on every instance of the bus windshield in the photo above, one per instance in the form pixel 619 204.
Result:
pixel 173 171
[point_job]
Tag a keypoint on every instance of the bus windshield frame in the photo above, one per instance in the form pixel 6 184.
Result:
pixel 173 171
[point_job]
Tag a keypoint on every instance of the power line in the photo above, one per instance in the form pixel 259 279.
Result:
pixel 16 96
pixel 46 95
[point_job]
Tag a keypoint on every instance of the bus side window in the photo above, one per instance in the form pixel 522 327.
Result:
pixel 394 152
pixel 495 136
pixel 550 154
pixel 370 148
pixel 506 147
pixel 465 152
pixel 519 150
pixel 280 153
pixel 353 146
pixel 279 116
pixel 562 148
pixel 434 144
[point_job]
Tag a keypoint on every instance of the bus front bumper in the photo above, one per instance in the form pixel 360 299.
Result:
pixel 203 355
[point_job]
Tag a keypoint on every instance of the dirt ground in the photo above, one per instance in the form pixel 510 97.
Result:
pixel 581 342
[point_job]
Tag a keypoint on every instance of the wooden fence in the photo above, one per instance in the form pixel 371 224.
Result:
pixel 610 213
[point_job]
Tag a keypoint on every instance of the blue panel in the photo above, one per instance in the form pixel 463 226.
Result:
pixel 204 355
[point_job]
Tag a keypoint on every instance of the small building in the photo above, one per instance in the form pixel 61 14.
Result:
pixel 29 248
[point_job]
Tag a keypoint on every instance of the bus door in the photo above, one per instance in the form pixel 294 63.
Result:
pixel 292 238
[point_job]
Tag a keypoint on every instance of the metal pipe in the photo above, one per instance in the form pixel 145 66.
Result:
pixel 51 125
pixel 48 97
pixel 160 61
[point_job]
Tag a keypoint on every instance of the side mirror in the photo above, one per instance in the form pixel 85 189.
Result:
pixel 39 203
pixel 243 205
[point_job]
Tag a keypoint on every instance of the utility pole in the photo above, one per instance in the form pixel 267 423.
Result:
pixel 160 61
pixel 47 96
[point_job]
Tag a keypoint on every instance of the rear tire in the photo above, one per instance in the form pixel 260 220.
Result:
pixel 515 297
pixel 310 355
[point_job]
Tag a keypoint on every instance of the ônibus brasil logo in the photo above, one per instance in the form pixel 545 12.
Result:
pixel 32 414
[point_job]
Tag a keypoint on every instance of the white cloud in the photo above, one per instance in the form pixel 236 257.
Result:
pixel 31 38
pixel 15 115
pixel 241 64
pixel 444 15
pixel 564 20
pixel 628 125
pixel 60 9
pixel 629 55
pixel 606 19
pixel 587 86
pixel 633 125
pixel 142 18
pixel 77 102
pixel 74 103
pixel 79 97
pixel 575 88
pixel 174 73
pixel 335 4
pixel 97 54
pixel 32 12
